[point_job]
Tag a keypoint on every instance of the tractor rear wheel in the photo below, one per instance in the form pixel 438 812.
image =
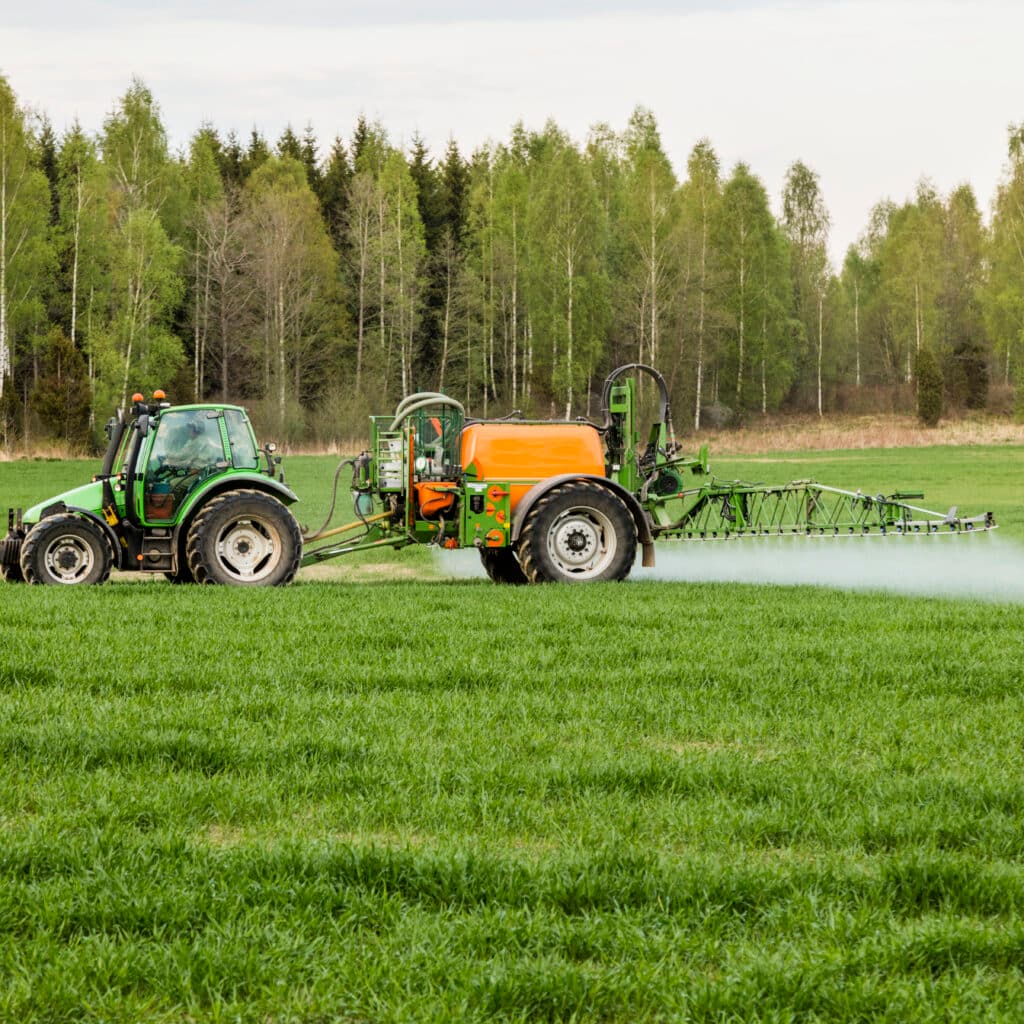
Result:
pixel 502 566
pixel 65 549
pixel 579 532
pixel 244 538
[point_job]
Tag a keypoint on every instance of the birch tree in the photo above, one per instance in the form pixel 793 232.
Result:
pixel 295 283
pixel 648 224
pixel 569 239
pixel 1003 295
pixel 24 243
pixel 753 293
pixel 136 345
pixel 225 243
pixel 912 271
pixel 806 222
pixel 700 196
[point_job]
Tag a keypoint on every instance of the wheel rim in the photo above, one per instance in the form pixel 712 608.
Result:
pixel 249 549
pixel 68 558
pixel 582 542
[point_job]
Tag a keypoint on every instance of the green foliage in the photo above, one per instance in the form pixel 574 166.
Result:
pixel 928 376
pixel 516 278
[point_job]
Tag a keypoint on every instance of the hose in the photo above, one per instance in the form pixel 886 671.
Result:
pixel 664 408
pixel 334 499
pixel 423 400
pixel 418 397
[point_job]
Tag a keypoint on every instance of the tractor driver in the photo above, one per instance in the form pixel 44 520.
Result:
pixel 195 444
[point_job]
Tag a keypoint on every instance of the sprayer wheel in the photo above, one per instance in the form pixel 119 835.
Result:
pixel 244 538
pixel 502 566
pixel 579 532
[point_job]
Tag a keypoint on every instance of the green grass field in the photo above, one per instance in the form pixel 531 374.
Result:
pixel 365 798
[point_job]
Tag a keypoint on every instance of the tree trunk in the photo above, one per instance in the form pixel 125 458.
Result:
pixel 568 359
pixel 653 282
pixel 195 315
pixel 821 343
pixel 446 326
pixel 383 338
pixel 401 301
pixel 739 369
pixel 364 245
pixel 700 315
pixel 281 393
pixel 515 304
pixel 74 253
pixel 856 327
pixel 5 352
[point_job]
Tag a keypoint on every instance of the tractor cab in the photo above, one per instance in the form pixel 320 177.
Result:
pixel 185 447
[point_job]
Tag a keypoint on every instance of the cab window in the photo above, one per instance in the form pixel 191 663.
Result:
pixel 186 450
pixel 243 448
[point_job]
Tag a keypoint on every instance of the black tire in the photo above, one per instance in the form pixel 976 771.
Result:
pixel 12 573
pixel 502 566
pixel 66 549
pixel 183 575
pixel 244 538
pixel 579 532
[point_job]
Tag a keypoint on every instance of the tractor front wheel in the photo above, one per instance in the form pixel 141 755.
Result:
pixel 502 566
pixel 579 532
pixel 244 538
pixel 65 549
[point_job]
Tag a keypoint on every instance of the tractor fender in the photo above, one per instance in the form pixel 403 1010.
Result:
pixel 58 508
pixel 539 489
pixel 245 481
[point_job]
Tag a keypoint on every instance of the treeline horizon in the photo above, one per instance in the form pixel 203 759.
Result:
pixel 315 289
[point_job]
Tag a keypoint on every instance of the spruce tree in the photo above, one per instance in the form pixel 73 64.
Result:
pixel 307 154
pixel 256 155
pixel 454 191
pixel 361 138
pixel 333 189
pixel 289 145
pixel 231 161
pixel 46 144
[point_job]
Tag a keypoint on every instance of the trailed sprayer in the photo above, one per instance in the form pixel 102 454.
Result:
pixel 186 492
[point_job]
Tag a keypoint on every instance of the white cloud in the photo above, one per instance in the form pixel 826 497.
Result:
pixel 871 95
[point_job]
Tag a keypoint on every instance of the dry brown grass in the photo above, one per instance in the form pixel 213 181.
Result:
pixel 53 450
pixel 775 434
pixel 809 433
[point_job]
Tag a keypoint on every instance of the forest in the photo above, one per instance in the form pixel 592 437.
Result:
pixel 317 283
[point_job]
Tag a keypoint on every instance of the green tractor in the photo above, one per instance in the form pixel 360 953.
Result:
pixel 183 491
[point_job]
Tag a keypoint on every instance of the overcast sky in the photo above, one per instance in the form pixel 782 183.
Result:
pixel 870 94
